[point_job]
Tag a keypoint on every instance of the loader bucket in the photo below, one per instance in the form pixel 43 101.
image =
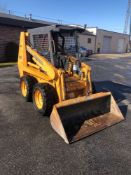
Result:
pixel 77 118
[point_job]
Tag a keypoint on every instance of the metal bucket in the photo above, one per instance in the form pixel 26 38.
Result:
pixel 80 117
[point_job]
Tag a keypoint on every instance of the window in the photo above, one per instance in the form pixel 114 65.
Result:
pixel 89 40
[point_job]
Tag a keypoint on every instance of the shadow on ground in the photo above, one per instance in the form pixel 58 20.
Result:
pixel 119 92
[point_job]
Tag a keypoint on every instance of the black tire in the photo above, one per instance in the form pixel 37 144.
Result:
pixel 49 98
pixel 93 88
pixel 29 82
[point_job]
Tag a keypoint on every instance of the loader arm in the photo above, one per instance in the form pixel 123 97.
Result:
pixel 39 67
pixel 42 63
pixel 39 61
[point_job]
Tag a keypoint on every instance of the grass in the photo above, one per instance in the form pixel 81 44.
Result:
pixel 7 64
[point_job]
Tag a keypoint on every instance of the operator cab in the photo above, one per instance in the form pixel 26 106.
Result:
pixel 56 43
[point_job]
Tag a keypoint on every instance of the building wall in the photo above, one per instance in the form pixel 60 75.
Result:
pixel 83 41
pixel 9 41
pixel 109 42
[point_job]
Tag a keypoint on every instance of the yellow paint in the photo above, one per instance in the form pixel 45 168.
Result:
pixel 44 72
pixel 38 99
pixel 23 88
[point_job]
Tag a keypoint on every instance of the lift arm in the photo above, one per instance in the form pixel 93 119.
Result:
pixel 39 61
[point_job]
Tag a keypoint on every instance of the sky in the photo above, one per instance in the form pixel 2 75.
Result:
pixel 105 14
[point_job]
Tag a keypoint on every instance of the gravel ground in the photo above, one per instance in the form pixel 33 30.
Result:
pixel 29 146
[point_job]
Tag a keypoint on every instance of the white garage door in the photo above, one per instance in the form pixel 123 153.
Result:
pixel 121 45
pixel 107 44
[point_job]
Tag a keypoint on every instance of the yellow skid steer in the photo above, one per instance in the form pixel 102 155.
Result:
pixel 59 84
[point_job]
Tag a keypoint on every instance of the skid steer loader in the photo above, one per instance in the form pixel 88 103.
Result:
pixel 59 84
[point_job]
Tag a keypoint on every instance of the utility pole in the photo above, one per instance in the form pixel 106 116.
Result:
pixel 30 16
pixel 128 19
pixel 127 28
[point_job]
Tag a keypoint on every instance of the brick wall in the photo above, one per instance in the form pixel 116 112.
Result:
pixel 9 41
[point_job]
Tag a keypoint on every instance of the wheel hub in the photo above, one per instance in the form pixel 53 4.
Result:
pixel 23 88
pixel 38 99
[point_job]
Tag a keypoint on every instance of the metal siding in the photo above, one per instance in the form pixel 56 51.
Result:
pixel 107 44
pixel 121 45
